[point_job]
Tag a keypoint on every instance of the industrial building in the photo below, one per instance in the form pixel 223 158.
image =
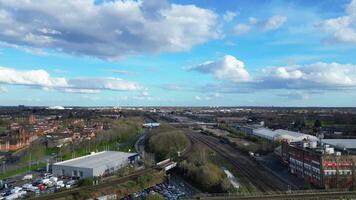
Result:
pixel 320 164
pixel 93 165
pixel 276 135
pixel 292 136
pixel 347 144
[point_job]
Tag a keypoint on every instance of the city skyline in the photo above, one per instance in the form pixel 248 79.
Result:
pixel 178 53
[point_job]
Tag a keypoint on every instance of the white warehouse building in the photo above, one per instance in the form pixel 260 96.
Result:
pixel 280 134
pixel 95 164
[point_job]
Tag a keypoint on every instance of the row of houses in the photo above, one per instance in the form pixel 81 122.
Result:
pixel 20 135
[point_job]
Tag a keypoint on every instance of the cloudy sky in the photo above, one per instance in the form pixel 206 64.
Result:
pixel 178 53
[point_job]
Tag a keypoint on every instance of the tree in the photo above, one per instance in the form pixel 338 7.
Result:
pixel 166 144
pixel 86 182
pixel 317 123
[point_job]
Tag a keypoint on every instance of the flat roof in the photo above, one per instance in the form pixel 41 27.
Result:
pixel 272 134
pixel 343 143
pixel 96 159
pixel 265 132
pixel 294 134
pixel 290 133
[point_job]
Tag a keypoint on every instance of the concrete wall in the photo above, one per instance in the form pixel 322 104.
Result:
pixel 110 167
pixel 71 171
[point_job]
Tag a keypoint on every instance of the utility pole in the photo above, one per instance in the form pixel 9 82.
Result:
pixel 47 166
pixel 29 162
pixel 3 166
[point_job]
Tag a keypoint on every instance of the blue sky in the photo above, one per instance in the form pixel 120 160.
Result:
pixel 178 53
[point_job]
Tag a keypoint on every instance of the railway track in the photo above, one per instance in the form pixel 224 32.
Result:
pixel 296 196
pixel 249 169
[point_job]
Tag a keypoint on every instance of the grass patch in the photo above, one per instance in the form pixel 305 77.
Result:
pixel 35 151
pixel 21 170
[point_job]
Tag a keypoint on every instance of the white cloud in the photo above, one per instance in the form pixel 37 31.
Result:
pixel 197 98
pixel 178 87
pixel 207 97
pixel 31 77
pixel 3 89
pixel 109 83
pixel 106 30
pixel 30 50
pixel 202 98
pixel 229 16
pixel 144 93
pixel 241 29
pixel 351 8
pixel 252 20
pixel 82 91
pixel 118 71
pixel 227 68
pixel 274 22
pixel 319 75
pixel 284 72
pixel 91 98
pixel 295 95
pixel 42 79
pixel 341 29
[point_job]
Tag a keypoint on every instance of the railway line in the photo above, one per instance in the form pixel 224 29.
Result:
pixel 249 169
pixel 295 196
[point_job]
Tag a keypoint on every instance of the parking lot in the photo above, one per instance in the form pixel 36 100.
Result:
pixel 34 183
pixel 173 189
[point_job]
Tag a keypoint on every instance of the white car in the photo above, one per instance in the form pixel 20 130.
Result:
pixel 30 187
pixel 16 190
pixel 28 177
pixel 53 179
pixel 16 195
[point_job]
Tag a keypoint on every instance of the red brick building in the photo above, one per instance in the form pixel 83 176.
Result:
pixel 320 166
pixel 14 140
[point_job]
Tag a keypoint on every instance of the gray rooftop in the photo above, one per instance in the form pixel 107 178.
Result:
pixel 341 143
pixel 96 159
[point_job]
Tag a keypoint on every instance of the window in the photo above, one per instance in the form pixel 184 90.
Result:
pixel 63 172
pixel 75 173
pixel 80 173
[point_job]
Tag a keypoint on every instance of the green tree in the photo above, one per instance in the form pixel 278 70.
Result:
pixel 86 182
pixel 167 144
pixel 317 123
